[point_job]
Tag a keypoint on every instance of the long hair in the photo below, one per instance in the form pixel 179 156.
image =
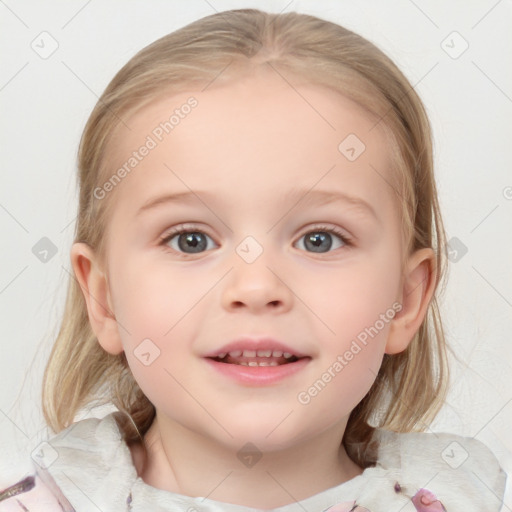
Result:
pixel 410 386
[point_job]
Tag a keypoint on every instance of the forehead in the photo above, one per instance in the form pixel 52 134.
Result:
pixel 260 133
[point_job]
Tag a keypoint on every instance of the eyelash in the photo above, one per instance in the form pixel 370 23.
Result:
pixel 347 241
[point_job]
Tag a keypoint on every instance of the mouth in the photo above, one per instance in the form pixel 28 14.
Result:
pixel 257 357
pixel 258 361
pixel 261 367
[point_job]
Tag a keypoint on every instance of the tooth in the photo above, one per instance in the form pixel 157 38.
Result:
pixel 235 353
pixel 287 355
pixel 277 353
pixel 222 355
pixel 256 363
pixel 249 353
pixel 264 353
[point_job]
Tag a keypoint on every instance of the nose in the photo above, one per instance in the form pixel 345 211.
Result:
pixel 256 287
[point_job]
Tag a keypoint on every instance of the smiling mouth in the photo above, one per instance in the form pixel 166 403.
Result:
pixel 257 358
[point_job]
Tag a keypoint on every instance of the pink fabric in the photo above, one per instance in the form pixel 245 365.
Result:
pixel 426 501
pixel 423 501
pixel 40 498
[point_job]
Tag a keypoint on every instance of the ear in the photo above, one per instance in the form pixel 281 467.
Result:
pixel 418 287
pixel 95 288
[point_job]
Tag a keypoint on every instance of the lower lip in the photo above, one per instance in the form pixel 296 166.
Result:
pixel 259 375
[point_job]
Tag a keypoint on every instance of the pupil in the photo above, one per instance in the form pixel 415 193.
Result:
pixel 194 241
pixel 319 242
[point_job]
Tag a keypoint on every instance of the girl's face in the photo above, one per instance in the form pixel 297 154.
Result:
pixel 261 172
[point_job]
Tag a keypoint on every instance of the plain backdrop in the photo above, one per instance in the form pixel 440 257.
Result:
pixel 56 60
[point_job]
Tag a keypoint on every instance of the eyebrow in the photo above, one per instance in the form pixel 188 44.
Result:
pixel 324 197
pixel 294 196
pixel 178 197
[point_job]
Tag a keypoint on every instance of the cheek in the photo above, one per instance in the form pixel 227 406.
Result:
pixel 350 299
pixel 346 370
pixel 157 316
pixel 152 299
pixel 356 305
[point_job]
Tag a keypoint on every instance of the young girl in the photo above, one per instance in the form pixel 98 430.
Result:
pixel 257 255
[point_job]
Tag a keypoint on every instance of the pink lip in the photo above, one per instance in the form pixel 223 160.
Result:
pixel 258 375
pixel 255 344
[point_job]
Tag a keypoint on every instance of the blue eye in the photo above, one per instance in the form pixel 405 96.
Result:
pixel 187 241
pixel 192 241
pixel 320 240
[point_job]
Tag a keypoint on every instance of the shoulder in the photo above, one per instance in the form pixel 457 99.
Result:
pixel 445 452
pixel 90 461
pixel 88 435
pixel 461 472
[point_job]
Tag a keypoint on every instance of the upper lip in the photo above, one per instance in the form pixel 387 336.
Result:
pixel 255 344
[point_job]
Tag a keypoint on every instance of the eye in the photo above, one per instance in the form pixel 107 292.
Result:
pixel 320 240
pixel 188 241
pixel 193 241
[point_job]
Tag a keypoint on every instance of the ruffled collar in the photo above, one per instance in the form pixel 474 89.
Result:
pixel 93 466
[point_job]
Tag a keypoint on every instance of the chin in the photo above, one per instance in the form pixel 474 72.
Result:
pixel 270 434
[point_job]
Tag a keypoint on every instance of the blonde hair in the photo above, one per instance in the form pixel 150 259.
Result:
pixel 410 386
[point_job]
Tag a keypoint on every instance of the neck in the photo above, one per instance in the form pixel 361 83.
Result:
pixel 186 463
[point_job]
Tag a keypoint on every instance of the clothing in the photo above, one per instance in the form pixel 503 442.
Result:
pixel 92 466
